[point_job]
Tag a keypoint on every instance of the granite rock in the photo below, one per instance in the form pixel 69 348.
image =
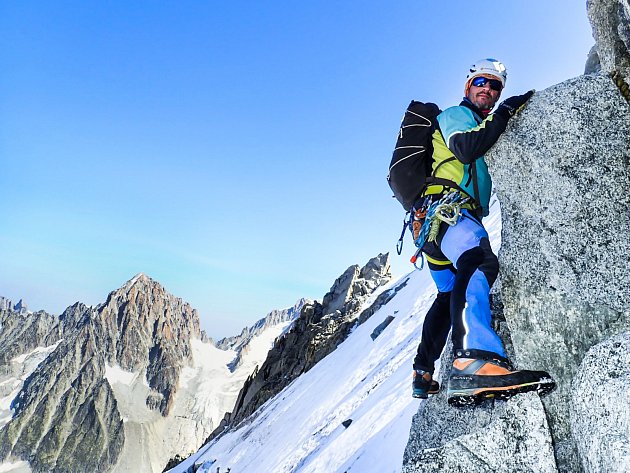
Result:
pixel 517 440
pixel 564 201
pixel 610 20
pixel 600 418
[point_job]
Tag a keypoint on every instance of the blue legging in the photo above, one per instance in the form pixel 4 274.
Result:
pixel 463 300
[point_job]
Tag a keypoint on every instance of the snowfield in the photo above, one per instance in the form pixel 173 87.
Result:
pixel 365 381
pixel 207 390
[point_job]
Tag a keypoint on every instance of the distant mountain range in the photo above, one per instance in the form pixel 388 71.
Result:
pixel 129 385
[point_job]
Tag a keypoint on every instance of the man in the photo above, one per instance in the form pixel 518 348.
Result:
pixel 459 255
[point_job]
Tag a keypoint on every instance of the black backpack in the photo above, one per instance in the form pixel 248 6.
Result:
pixel 412 161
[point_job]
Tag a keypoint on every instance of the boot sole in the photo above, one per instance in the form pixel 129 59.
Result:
pixel 423 395
pixel 474 397
pixel 419 394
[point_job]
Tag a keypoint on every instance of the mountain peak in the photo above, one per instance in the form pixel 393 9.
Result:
pixel 138 278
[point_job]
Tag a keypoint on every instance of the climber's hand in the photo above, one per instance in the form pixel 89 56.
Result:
pixel 512 105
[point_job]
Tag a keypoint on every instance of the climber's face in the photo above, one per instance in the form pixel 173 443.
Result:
pixel 485 94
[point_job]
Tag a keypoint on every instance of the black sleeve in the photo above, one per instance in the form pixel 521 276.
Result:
pixel 470 145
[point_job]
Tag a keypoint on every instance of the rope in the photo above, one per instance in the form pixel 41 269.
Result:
pixel 447 209
pixel 621 84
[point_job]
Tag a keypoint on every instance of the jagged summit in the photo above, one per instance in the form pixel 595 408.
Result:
pixel 140 279
pixel 140 329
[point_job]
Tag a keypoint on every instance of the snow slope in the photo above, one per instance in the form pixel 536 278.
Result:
pixel 207 390
pixel 300 430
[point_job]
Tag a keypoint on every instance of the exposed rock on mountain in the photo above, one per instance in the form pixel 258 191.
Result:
pixel 142 319
pixel 319 329
pixel 559 185
pixel 240 343
pixel 5 304
pixel 22 331
pixel 592 66
pixel 66 416
pixel 382 326
pixel 516 441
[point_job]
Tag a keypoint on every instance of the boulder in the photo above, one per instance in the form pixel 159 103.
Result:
pixel 517 441
pixel 600 418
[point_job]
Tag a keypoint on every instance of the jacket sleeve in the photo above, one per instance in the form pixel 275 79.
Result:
pixel 467 139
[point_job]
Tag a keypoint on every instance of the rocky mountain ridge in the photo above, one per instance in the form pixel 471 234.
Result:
pixel 319 329
pixel 7 304
pixel 66 416
pixel 240 343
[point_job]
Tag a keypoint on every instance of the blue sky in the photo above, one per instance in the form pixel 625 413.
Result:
pixel 234 151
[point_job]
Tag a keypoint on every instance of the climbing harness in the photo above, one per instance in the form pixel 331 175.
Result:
pixel 448 210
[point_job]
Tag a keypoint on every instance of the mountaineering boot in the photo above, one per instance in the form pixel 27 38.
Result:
pixel 477 375
pixel 423 384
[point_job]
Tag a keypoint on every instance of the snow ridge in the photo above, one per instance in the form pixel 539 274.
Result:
pixel 364 382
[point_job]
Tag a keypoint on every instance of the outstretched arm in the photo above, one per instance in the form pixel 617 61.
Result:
pixel 467 139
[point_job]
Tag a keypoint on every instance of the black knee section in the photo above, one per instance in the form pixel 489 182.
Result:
pixel 482 258
pixel 490 265
pixel 470 260
pixel 443 298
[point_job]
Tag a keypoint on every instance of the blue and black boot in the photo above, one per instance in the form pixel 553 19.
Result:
pixel 478 375
pixel 423 384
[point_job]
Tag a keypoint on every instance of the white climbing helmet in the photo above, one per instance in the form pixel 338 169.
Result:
pixel 488 66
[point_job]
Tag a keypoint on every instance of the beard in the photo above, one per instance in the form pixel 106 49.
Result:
pixel 483 101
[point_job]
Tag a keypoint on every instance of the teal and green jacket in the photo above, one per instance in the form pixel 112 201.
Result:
pixel 459 145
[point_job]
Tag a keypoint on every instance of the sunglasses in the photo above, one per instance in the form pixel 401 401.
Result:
pixel 495 84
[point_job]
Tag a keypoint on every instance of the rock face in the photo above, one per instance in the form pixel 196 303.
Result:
pixel 610 20
pixel 560 186
pixel 494 436
pixel 5 304
pixel 600 420
pixel 142 319
pixel 66 417
pixel 22 332
pixel 318 330
pixel 516 441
